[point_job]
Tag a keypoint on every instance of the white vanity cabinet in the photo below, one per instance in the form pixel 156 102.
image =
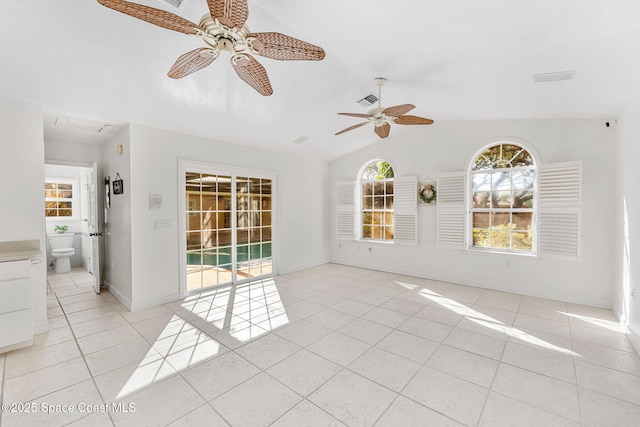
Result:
pixel 16 318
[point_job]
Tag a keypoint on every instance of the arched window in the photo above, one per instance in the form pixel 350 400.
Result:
pixel 503 198
pixel 376 187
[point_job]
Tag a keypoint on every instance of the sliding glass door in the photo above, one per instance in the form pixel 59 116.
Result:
pixel 228 228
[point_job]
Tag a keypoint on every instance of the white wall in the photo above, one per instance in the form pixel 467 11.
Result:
pixel 117 259
pixel 300 202
pixel 68 152
pixel 448 147
pixel 627 203
pixel 21 189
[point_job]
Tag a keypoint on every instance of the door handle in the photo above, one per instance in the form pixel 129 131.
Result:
pixel 96 234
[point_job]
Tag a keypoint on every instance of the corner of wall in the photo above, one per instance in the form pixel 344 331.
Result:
pixel 634 337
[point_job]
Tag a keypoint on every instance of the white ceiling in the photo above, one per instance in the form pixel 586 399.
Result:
pixel 455 60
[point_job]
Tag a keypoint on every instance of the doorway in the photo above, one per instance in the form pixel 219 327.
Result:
pixel 227 226
pixel 71 205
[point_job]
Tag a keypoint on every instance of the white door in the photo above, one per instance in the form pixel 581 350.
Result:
pixel 94 228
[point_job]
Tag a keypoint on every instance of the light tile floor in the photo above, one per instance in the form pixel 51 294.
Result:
pixel 328 346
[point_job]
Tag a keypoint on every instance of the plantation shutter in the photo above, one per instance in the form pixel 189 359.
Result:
pixel 345 210
pixel 405 210
pixel 451 207
pixel 560 198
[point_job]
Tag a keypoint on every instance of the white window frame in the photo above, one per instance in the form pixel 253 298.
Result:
pixel 534 210
pixel 75 201
pixel 359 208
pixel 349 209
pixel 557 205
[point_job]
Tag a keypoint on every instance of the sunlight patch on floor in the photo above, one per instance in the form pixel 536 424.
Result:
pixel 605 324
pixel 409 286
pixel 178 346
pixel 491 323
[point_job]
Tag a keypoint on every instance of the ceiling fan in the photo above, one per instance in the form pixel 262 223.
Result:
pixel 383 117
pixel 224 29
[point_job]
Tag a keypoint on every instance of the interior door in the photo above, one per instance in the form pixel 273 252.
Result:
pixel 94 228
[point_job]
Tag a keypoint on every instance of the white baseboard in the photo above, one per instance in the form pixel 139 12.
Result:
pixel 135 306
pixel 299 267
pixel 16 346
pixel 634 337
pixel 116 293
pixel 465 282
pixel 41 328
pixel 154 302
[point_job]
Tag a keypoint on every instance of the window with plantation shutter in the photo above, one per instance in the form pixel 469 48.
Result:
pixel 376 202
pixel 560 198
pixel 451 210
pixel 502 194
pixel 345 210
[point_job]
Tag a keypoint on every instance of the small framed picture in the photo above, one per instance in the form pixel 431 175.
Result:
pixel 118 187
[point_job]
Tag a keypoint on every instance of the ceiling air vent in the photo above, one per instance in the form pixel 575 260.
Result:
pixel 82 124
pixel 554 77
pixel 174 3
pixel 368 100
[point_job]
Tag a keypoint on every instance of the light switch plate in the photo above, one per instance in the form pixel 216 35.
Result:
pixel 163 223
pixel 155 202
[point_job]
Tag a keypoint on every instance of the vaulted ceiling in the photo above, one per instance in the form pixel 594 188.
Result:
pixel 455 60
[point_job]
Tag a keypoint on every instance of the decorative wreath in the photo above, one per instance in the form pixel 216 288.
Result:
pixel 427 193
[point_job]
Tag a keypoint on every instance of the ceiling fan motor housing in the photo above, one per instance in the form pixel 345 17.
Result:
pixel 220 36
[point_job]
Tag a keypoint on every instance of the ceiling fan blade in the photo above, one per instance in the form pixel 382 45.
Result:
pixel 252 72
pixel 232 13
pixel 363 116
pixel 352 128
pixel 398 110
pixel 383 130
pixel 152 15
pixel 283 47
pixel 412 120
pixel 192 61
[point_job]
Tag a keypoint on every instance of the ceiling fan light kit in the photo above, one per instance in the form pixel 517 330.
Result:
pixel 224 30
pixel 383 117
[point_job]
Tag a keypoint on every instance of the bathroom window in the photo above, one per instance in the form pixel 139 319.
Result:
pixel 59 198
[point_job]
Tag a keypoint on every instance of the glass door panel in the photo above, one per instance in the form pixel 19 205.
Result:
pixel 253 197
pixel 228 229
pixel 208 224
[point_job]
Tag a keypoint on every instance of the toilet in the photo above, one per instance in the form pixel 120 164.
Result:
pixel 61 250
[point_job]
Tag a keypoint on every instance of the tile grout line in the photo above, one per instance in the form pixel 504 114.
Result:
pixel 424 365
pixel 93 380
pixel 345 367
pixel 575 368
